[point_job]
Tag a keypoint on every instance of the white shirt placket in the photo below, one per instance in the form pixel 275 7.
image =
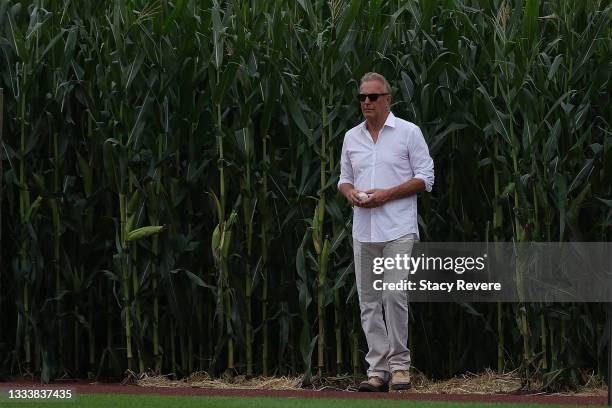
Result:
pixel 374 146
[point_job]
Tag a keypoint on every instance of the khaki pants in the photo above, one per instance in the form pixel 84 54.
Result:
pixel 387 335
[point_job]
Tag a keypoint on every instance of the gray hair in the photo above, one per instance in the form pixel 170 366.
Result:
pixel 374 76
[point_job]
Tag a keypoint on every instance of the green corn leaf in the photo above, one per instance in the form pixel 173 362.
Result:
pixel 348 18
pixel 530 19
pixel 218 32
pixel 176 11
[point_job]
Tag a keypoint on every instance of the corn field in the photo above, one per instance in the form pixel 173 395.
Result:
pixel 169 171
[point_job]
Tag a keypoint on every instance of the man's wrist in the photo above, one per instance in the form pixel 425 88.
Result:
pixel 346 189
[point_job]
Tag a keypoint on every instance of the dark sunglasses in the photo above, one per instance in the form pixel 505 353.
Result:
pixel 373 96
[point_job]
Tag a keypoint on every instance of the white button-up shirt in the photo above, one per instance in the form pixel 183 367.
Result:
pixel 399 154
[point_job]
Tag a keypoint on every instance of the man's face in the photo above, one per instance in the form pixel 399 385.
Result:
pixel 374 109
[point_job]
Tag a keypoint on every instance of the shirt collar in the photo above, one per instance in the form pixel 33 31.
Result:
pixel 389 122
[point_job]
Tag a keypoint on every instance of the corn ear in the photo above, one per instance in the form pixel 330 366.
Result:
pixel 144 232
pixel 32 209
pixel 134 200
pixel 216 242
pixel 87 175
pixel 227 238
pixel 129 226
pixel 323 262
pixel 316 229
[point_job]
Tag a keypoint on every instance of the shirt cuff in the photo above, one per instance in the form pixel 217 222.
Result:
pixel 427 180
pixel 344 180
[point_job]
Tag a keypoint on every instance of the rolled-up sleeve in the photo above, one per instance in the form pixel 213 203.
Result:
pixel 346 169
pixel 420 160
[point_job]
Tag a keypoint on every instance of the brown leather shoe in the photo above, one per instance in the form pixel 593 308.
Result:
pixel 374 384
pixel 400 380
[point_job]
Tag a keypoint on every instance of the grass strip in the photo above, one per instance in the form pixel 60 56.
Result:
pixel 154 401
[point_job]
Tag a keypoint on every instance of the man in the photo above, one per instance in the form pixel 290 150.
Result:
pixel 386 158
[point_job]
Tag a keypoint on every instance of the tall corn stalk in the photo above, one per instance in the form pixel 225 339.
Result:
pixel 224 75
pixel 248 214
